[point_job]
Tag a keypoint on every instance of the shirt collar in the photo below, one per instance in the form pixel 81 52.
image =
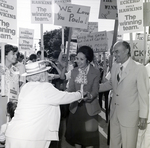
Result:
pixel 124 65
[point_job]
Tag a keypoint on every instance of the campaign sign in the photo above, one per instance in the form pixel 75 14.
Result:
pixel 8 21
pixel 108 9
pixel 130 16
pixel 71 15
pixel 41 12
pixel 92 27
pixel 26 39
pixel 97 41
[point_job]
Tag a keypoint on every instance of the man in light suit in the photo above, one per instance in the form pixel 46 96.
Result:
pixel 129 106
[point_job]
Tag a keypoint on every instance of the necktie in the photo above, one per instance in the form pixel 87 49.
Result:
pixel 119 74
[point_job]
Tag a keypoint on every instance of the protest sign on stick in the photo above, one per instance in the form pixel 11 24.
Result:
pixel 41 12
pixel 26 39
pixel 108 9
pixel 56 2
pixel 130 16
pixel 97 41
pixel 92 27
pixel 8 21
pixel 71 15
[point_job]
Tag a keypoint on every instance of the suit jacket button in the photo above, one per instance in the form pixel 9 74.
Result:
pixel 117 95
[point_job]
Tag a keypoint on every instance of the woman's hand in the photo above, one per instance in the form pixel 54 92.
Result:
pixel 88 97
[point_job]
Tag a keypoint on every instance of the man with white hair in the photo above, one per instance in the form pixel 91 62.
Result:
pixel 37 116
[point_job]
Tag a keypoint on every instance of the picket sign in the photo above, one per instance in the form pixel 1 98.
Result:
pixel 108 9
pixel 41 14
pixel 62 42
pixel 70 15
pixel 8 32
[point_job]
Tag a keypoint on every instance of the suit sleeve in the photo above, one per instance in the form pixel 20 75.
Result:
pixel 95 87
pixel 143 91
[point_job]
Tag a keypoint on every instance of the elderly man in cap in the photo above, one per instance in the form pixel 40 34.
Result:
pixel 37 116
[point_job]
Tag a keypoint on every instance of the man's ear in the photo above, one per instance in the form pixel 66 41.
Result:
pixel 127 51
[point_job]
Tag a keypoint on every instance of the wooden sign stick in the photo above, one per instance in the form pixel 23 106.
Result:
pixel 113 42
pixel 68 47
pixel 42 44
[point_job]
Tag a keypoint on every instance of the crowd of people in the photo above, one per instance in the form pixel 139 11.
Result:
pixel 54 89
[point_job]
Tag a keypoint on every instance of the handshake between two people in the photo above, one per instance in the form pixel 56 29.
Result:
pixel 87 97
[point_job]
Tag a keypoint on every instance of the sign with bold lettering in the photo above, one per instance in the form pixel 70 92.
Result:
pixel 108 9
pixel 26 39
pixel 8 21
pixel 130 15
pixel 138 51
pixel 92 27
pixel 70 15
pixel 97 41
pixel 41 12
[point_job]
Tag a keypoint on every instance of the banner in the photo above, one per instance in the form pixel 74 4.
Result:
pixel 73 48
pixel 41 12
pixel 108 9
pixel 26 39
pixel 97 41
pixel 130 15
pixel 8 21
pixel 92 27
pixel 147 14
pixel 70 15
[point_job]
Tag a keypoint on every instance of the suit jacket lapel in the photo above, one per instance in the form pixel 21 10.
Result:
pixel 126 71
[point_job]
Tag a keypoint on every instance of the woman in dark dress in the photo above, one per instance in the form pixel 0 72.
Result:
pixel 82 125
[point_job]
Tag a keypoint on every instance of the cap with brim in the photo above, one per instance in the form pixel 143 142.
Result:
pixel 35 67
